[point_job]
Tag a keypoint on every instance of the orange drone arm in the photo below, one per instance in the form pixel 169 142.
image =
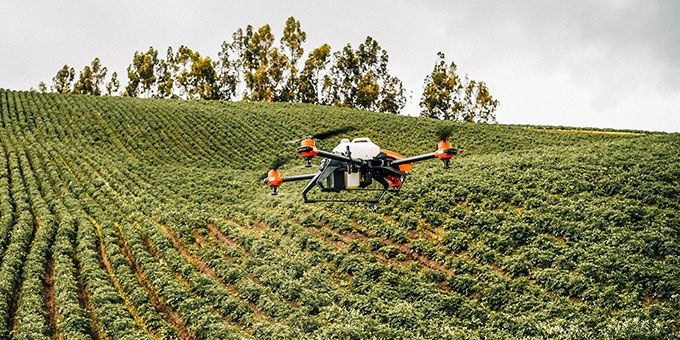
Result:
pixel 405 168
pixel 309 147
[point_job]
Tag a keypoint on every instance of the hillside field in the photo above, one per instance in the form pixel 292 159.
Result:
pixel 144 218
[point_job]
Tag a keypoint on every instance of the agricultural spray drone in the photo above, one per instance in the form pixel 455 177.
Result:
pixel 355 165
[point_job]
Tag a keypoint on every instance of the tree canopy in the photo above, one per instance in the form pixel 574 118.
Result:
pixel 61 82
pixel 360 78
pixel 254 65
pixel 447 96
pixel 91 78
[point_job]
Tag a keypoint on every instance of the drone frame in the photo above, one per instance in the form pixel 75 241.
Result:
pixel 384 165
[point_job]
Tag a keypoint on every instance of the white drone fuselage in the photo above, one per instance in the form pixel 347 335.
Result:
pixel 361 148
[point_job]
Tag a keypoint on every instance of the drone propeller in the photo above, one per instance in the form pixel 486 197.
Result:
pixel 444 133
pixel 279 161
pixel 272 177
pixel 323 135
pixel 276 163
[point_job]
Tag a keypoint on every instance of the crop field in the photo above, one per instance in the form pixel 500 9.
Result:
pixel 143 218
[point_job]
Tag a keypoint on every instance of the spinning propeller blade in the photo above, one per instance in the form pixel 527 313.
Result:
pixel 323 135
pixel 331 133
pixel 276 163
pixel 445 132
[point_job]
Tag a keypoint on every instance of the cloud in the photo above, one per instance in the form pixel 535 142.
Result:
pixel 612 48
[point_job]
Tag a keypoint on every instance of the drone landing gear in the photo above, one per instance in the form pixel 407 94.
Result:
pixel 316 182
pixel 308 162
pixel 374 200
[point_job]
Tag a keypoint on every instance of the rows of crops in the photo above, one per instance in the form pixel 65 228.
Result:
pixel 130 218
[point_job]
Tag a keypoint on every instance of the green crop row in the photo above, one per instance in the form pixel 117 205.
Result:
pixel 130 218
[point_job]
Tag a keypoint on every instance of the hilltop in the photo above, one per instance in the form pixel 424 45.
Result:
pixel 126 217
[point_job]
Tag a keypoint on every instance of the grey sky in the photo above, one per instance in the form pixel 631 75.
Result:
pixel 579 63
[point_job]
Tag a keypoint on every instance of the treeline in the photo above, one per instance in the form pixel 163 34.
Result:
pixel 252 66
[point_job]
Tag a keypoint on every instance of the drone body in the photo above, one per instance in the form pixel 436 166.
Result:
pixel 356 165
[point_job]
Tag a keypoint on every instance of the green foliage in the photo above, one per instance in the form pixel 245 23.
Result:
pixel 166 75
pixel 310 81
pixel 91 78
pixel 251 67
pixel 113 85
pixel 138 218
pixel 230 66
pixel 359 79
pixel 291 42
pixel 479 105
pixel 42 87
pixel 447 96
pixel 61 83
pixel 196 76
pixel 142 73
pixel 263 66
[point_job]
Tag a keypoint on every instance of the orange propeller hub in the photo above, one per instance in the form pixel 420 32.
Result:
pixel 274 178
pixel 307 150
pixel 441 150
pixel 309 147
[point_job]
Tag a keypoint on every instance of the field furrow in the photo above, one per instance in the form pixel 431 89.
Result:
pixel 147 218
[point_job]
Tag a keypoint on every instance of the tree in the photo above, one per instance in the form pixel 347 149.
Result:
pixel 448 97
pixel 165 76
pixel 142 73
pixel 291 42
pixel 487 103
pixel 367 91
pixel 228 72
pixel 275 77
pixel 240 42
pixel 62 80
pixel 98 75
pixel 360 78
pixel 340 85
pixel 263 65
pixel 91 77
pixel 113 85
pixel 479 104
pixel 440 85
pixel 309 90
pixel 85 83
pixel 231 62
pixel 258 48
pixel 469 103
pixel 392 98
pixel 196 75
pixel 42 87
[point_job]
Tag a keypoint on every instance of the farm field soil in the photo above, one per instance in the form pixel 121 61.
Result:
pixel 145 218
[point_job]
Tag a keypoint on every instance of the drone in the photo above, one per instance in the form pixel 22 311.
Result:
pixel 354 165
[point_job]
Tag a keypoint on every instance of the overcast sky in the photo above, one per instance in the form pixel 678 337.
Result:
pixel 577 63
